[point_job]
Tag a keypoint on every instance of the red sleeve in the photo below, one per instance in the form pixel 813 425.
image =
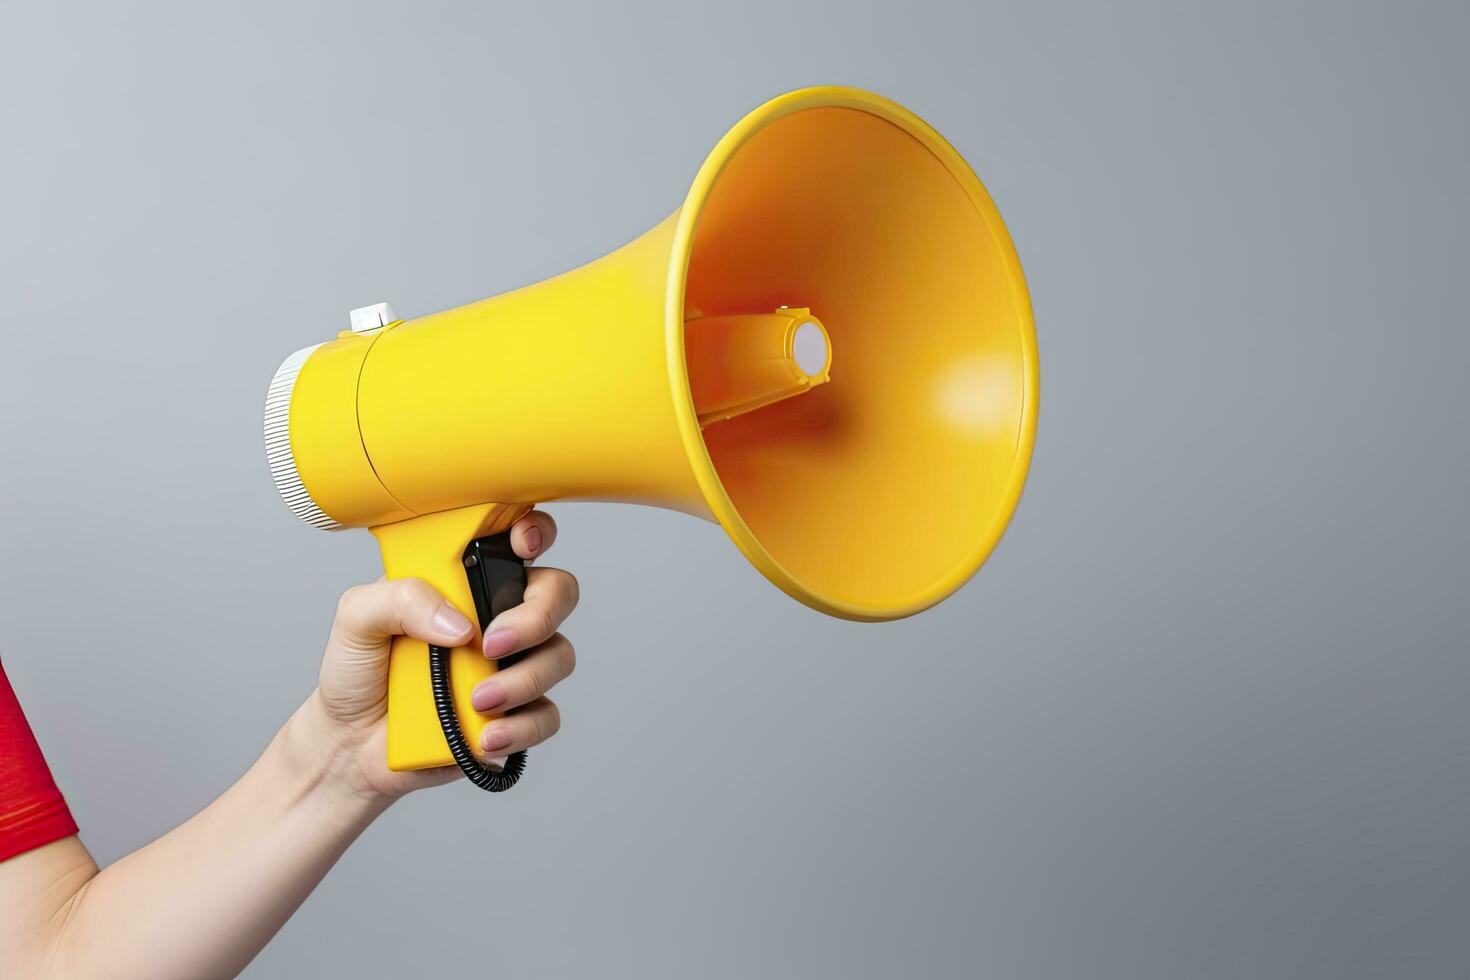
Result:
pixel 32 811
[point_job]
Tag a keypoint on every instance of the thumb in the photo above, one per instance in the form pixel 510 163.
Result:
pixel 354 674
pixel 369 615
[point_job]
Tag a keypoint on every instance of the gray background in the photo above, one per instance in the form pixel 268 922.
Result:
pixel 1202 715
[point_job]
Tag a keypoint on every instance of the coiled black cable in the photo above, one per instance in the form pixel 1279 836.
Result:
pixel 497 581
pixel 490 780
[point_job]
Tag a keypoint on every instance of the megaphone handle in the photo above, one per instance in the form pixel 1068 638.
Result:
pixel 497 578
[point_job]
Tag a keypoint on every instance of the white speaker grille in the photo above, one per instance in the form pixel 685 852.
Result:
pixel 278 444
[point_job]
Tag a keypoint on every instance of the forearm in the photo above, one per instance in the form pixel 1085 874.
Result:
pixel 202 900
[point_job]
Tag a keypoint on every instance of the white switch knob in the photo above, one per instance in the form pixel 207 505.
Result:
pixel 371 317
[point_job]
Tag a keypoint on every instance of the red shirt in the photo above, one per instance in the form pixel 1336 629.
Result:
pixel 32 811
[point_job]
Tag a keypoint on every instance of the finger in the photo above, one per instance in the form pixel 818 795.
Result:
pixel 532 725
pixel 533 534
pixel 544 667
pixel 551 595
pixel 367 615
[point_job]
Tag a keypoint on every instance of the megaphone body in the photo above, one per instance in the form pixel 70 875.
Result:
pixel 827 349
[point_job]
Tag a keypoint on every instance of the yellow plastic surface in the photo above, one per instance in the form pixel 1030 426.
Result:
pixel 432 548
pixel 739 364
pixel 551 392
pixel 880 493
pixel 329 455
pixel 870 497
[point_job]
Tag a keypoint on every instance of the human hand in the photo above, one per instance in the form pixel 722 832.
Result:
pixel 349 708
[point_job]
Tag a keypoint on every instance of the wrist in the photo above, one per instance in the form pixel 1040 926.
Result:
pixel 327 761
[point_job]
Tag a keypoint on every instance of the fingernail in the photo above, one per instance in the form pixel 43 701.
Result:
pixel 533 539
pixel 449 621
pixel 499 642
pixel 495 739
pixel 488 695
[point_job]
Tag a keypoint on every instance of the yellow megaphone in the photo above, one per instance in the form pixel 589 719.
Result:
pixel 828 349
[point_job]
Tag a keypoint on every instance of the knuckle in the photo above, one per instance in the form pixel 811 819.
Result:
pixel 543 724
pixel 350 602
pixel 411 594
pixel 542 625
pixel 414 590
pixel 535 682
pixel 573 588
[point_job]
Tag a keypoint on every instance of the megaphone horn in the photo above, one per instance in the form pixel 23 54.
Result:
pixel 828 349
